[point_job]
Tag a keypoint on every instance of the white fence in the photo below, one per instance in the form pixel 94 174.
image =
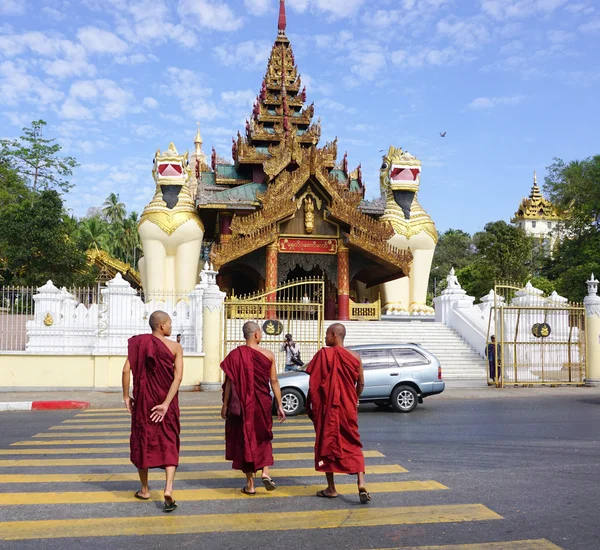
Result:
pixel 49 320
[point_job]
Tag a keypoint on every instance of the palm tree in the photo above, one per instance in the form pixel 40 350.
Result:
pixel 114 210
pixel 95 233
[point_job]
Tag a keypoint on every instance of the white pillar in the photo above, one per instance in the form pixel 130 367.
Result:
pixel 212 333
pixel 592 311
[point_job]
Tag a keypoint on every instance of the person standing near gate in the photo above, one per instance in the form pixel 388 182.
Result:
pixel 336 383
pixel 490 353
pixel 292 354
pixel 247 408
pixel 157 367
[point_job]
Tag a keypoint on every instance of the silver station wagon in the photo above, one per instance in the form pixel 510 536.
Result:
pixel 396 375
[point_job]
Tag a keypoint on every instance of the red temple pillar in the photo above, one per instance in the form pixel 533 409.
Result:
pixel 343 283
pixel 330 302
pixel 225 226
pixel 271 278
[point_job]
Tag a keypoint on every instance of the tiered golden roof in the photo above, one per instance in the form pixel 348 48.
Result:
pixel 536 207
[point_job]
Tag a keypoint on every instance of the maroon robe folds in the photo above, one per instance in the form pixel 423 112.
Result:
pixel 249 424
pixel 153 444
pixel 332 407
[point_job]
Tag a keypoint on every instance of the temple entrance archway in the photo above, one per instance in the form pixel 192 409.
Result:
pixel 240 280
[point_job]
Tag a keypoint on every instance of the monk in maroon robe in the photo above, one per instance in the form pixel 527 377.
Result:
pixel 247 406
pixel 157 367
pixel 336 382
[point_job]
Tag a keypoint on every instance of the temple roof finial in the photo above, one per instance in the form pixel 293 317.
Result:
pixel 535 178
pixel 282 17
pixel 198 140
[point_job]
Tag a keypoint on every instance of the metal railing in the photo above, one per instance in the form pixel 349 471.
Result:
pixel 365 311
pixel 538 339
pixel 294 308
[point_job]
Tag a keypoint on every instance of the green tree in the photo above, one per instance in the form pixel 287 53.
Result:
pixel 574 189
pixel 114 210
pixel 572 263
pixel 36 243
pixel 454 249
pixel 94 233
pixel 503 252
pixel 37 161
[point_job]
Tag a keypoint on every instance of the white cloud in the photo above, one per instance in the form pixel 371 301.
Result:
pixel 94 167
pixel 591 26
pixel 367 65
pixel 210 14
pixel 336 9
pixel 195 99
pixel 96 40
pixel 481 103
pixel 250 54
pixel 258 7
pixel 336 106
pixel 17 86
pixel 425 57
pixel 12 7
pixel 468 33
pixel 150 102
pixel 241 98
pixel 560 37
pixel 504 9
pixel 53 13
pixel 580 9
pixel 105 97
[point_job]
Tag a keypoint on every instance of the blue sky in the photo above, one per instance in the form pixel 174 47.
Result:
pixel 514 83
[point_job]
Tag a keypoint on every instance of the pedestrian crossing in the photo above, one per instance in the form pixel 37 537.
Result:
pixel 67 466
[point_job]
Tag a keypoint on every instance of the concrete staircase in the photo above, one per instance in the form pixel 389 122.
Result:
pixel 458 359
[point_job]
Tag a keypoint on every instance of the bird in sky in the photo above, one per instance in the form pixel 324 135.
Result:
pixel 442 134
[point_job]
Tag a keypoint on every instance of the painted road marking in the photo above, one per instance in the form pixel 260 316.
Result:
pixel 159 476
pixel 116 450
pixel 535 544
pixel 186 408
pixel 294 435
pixel 219 523
pixel 278 428
pixel 295 426
pixel 221 493
pixel 127 418
pixel 27 463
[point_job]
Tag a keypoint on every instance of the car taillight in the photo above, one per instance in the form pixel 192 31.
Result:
pixel 440 372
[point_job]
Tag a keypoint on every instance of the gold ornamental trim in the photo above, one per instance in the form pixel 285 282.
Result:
pixel 168 222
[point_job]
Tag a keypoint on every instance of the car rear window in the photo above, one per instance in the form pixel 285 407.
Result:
pixel 376 358
pixel 406 357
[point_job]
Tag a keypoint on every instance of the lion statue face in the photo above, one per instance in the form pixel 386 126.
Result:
pixel 400 177
pixel 171 168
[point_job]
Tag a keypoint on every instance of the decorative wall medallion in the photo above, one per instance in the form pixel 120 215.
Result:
pixel 272 327
pixel 48 321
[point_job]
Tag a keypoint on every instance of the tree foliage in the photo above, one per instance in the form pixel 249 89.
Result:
pixel 574 189
pixel 454 249
pixel 36 159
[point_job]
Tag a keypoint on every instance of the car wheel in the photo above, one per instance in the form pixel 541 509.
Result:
pixel 404 399
pixel 292 401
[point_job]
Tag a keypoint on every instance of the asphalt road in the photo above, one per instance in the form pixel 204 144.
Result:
pixel 495 471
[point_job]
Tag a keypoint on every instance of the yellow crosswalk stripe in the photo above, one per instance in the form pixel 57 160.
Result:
pixel 535 544
pixel 280 429
pixel 127 419
pixel 38 442
pixel 116 450
pixel 374 469
pixel 26 463
pixel 205 494
pixel 297 425
pixel 210 523
pixel 122 409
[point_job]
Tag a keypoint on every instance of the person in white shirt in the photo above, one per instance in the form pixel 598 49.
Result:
pixel 291 349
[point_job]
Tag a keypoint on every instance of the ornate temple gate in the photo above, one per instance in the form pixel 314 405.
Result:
pixel 296 308
pixel 539 340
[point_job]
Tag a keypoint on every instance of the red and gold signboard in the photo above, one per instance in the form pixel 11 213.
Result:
pixel 308 246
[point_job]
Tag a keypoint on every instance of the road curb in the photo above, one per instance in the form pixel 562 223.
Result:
pixel 42 405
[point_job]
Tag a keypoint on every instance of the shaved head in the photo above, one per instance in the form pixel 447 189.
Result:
pixel 250 328
pixel 335 335
pixel 158 318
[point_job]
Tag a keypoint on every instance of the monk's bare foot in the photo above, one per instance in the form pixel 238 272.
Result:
pixel 142 494
pixel 364 495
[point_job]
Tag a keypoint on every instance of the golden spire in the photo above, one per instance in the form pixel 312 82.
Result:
pixel 198 141
pixel 535 178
